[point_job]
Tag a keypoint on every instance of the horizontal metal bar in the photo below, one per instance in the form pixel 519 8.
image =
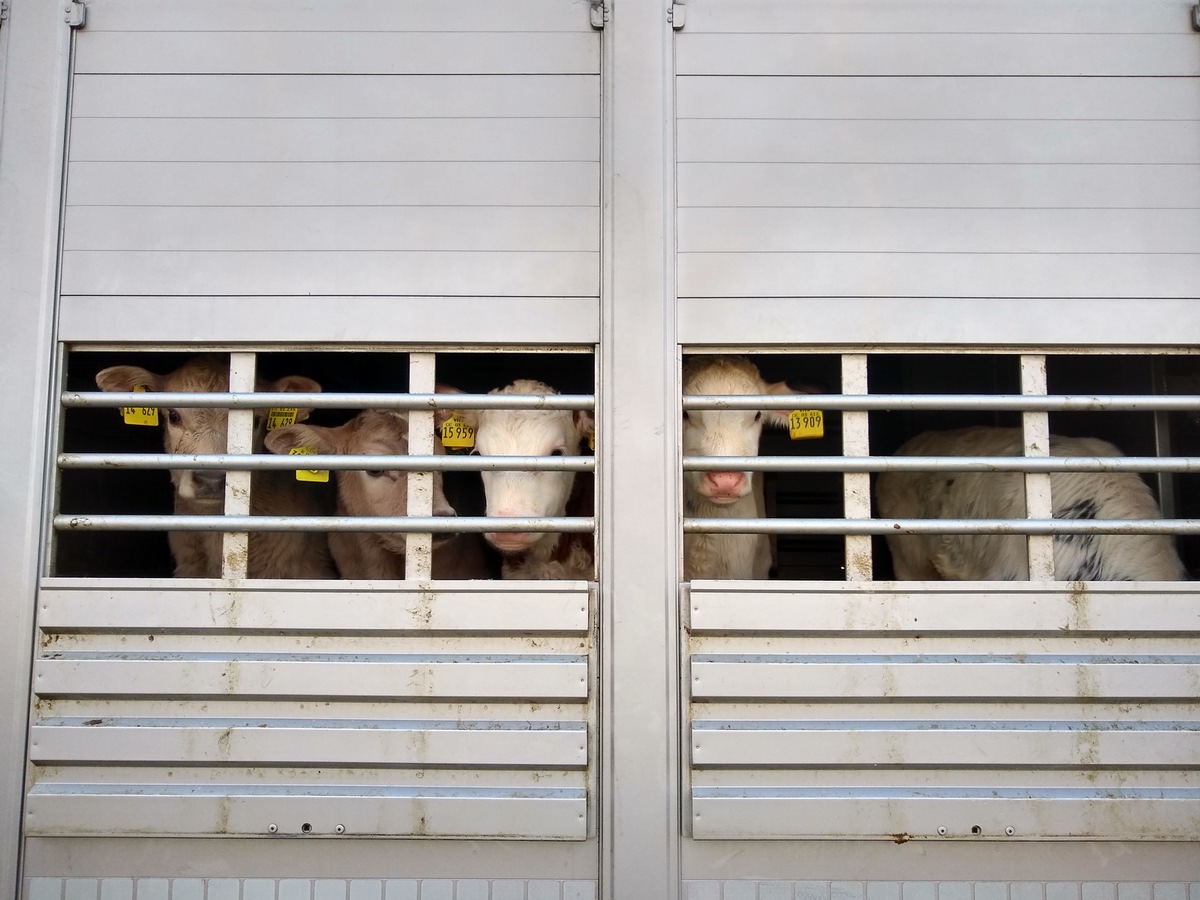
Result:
pixel 370 524
pixel 273 463
pixel 888 402
pixel 291 400
pixel 941 526
pixel 942 464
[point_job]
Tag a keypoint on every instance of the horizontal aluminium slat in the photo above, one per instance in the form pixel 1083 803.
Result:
pixel 357 609
pixel 399 524
pixel 322 400
pixel 951 745
pixel 348 183
pixel 338 15
pixel 767 230
pixel 336 140
pixel 203 742
pixel 567 273
pixel 944 186
pixel 935 464
pixel 205 97
pixel 1038 142
pixel 695 525
pixel 909 53
pixel 313 676
pixel 267 463
pixel 1099 814
pixel 332 228
pixel 909 608
pixel 954 275
pixel 365 52
pixel 836 17
pixel 350 810
pixel 931 677
pixel 936 98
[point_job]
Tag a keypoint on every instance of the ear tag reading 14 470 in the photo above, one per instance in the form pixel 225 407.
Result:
pixel 806 424
pixel 278 418
pixel 457 433
pixel 319 475
pixel 140 415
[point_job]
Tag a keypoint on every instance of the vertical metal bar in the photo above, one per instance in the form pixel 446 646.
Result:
pixel 856 486
pixel 53 487
pixel 418 553
pixel 1038 503
pixel 1162 441
pixel 235 546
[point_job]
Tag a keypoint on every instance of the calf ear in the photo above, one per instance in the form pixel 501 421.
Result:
pixel 127 378
pixel 441 415
pixel 779 417
pixel 301 437
pixel 585 422
pixel 293 384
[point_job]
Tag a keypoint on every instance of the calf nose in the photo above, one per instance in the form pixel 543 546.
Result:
pixel 208 481
pixel 726 483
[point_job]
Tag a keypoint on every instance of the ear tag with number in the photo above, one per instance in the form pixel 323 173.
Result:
pixel 806 424
pixel 278 418
pixel 457 433
pixel 140 415
pixel 319 475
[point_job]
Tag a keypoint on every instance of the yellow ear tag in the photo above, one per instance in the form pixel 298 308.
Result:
pixel 277 418
pixel 140 415
pixel 806 424
pixel 457 433
pixel 321 475
pixel 592 442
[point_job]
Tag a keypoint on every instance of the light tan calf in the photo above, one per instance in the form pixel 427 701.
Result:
pixel 202 491
pixel 382 492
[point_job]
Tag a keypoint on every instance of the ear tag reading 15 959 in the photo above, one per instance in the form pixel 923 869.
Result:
pixel 806 424
pixel 321 475
pixel 140 415
pixel 457 433
pixel 278 418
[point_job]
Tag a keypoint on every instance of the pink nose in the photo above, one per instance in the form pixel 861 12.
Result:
pixel 725 483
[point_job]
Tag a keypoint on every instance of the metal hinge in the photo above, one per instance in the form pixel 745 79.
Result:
pixel 76 13
pixel 677 14
pixel 3 12
pixel 599 14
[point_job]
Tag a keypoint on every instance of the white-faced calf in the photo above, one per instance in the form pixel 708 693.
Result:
pixel 202 491
pixel 536 432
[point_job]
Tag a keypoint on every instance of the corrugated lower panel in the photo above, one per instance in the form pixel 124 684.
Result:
pixel 178 709
pixel 834 710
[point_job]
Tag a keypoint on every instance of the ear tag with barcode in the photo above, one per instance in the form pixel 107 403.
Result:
pixel 806 424
pixel 140 415
pixel 318 475
pixel 278 418
pixel 457 433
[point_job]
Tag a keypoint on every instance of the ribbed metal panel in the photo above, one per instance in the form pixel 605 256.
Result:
pixel 836 710
pixel 177 709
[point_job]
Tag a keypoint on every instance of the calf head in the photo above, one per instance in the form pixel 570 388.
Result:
pixel 199 431
pixel 725 432
pixel 527 432
pixel 373 492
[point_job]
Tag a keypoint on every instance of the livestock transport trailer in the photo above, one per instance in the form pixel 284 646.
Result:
pixel 930 213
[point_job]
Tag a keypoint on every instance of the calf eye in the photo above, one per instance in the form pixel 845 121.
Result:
pixel 685 415
pixel 375 473
pixel 758 417
pixel 173 417
pixel 558 451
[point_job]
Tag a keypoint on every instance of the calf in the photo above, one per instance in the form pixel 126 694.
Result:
pixel 381 492
pixel 1001 495
pixel 197 554
pixel 731 495
pixel 536 432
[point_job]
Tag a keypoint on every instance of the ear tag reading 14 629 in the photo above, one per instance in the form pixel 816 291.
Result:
pixel 320 475
pixel 278 418
pixel 806 424
pixel 457 433
pixel 140 415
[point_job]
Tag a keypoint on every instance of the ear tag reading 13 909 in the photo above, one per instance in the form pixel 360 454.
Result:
pixel 456 433
pixel 140 415
pixel 278 418
pixel 806 424
pixel 320 475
